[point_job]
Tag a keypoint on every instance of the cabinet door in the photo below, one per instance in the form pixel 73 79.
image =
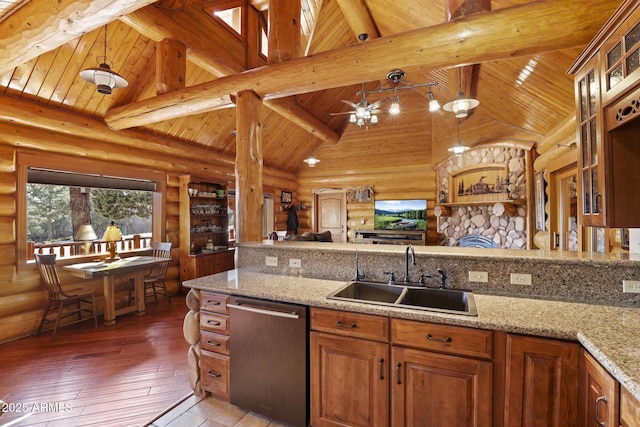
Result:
pixel 349 381
pixel 429 388
pixel 541 382
pixel 590 145
pixel 629 409
pixel 598 394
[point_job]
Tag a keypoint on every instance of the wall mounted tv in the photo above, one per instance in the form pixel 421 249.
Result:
pixel 400 215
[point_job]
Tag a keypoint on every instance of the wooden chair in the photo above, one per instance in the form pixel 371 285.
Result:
pixel 65 304
pixel 154 284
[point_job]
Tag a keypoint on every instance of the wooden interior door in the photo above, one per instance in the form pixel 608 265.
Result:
pixel 331 214
pixel 564 229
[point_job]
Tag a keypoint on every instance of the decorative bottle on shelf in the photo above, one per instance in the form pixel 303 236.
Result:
pixel 193 248
pixel 209 245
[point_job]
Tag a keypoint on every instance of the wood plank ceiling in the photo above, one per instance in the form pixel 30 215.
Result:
pixel 522 97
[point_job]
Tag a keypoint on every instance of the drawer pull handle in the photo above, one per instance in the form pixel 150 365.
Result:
pixel 213 322
pixel 345 325
pixel 445 339
pixel 398 366
pixel 213 343
pixel 600 423
pixel 213 302
pixel 381 366
pixel 214 374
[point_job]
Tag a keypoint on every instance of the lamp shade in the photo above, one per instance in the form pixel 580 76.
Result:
pixel 86 233
pixel 461 105
pixel 112 234
pixel 104 78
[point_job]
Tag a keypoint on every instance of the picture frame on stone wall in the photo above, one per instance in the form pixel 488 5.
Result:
pixel 540 200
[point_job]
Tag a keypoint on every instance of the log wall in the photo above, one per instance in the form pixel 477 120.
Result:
pixel 22 299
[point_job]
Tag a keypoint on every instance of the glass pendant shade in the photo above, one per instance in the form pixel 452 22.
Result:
pixel 311 161
pixel 461 105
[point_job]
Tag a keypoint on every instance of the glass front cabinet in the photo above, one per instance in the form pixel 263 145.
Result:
pixel 607 95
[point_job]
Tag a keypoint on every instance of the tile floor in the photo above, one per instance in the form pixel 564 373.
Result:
pixel 210 412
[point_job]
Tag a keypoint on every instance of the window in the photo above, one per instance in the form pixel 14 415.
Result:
pixel 57 202
pixel 230 16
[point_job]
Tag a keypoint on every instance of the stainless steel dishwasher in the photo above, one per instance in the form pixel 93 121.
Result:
pixel 269 371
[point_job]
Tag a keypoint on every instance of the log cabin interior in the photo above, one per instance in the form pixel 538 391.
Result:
pixel 242 96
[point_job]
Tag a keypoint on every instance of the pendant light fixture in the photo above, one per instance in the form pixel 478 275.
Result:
pixel 461 104
pixel 311 161
pixel 102 76
pixel 458 149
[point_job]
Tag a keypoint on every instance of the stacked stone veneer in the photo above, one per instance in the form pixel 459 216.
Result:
pixel 506 231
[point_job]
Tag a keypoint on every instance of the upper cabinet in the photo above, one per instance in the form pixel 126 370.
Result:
pixel 607 87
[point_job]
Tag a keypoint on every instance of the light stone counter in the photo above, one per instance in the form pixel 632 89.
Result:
pixel 611 334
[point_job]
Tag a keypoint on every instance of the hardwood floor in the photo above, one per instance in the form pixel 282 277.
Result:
pixel 122 375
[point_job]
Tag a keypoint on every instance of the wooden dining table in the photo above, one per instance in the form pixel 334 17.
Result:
pixel 134 266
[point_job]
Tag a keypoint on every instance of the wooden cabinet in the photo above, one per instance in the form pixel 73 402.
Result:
pixel 349 370
pixel 541 382
pixel 607 87
pixel 437 372
pixel 598 394
pixel 629 409
pixel 204 229
pixel 432 382
pixel 214 342
pixel 603 401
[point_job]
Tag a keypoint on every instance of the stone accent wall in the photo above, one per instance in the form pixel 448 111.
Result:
pixel 506 231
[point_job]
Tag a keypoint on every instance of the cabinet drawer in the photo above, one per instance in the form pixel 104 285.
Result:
pixel 214 302
pixel 443 338
pixel 214 342
pixel 215 374
pixel 356 325
pixel 629 409
pixel 214 322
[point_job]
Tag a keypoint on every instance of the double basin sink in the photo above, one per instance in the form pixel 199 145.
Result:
pixel 431 299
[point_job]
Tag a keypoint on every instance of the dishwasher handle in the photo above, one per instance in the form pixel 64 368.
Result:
pixel 252 309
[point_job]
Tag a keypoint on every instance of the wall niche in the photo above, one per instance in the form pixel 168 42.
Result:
pixel 484 192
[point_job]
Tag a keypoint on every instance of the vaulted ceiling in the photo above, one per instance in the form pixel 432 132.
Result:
pixel 523 92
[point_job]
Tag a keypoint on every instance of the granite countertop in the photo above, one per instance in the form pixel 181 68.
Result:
pixel 611 334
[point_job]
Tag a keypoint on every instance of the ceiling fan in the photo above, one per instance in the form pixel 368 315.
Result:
pixel 364 112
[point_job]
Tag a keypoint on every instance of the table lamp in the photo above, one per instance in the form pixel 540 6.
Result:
pixel 111 236
pixel 86 234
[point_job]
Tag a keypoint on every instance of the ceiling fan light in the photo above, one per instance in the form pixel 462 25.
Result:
pixel 434 105
pixel 394 109
pixel 360 122
pixel 374 120
pixel 360 112
pixel 352 118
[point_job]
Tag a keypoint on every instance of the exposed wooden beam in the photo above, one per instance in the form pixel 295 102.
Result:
pixel 504 33
pixel 171 66
pixel 42 25
pixel 358 17
pixel 159 24
pixel 284 30
pixel 289 109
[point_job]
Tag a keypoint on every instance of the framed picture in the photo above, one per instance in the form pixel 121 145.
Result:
pixel 540 200
pixel 286 197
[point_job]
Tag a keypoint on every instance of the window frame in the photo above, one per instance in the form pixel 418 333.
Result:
pixel 24 160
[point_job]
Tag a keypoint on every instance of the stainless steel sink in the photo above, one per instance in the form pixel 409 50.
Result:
pixel 441 300
pixel 369 291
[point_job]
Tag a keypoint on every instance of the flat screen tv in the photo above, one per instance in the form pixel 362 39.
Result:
pixel 400 215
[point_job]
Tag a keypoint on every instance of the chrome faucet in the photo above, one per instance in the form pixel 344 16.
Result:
pixel 406 262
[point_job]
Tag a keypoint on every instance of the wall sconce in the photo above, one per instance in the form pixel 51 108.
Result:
pixel 362 221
